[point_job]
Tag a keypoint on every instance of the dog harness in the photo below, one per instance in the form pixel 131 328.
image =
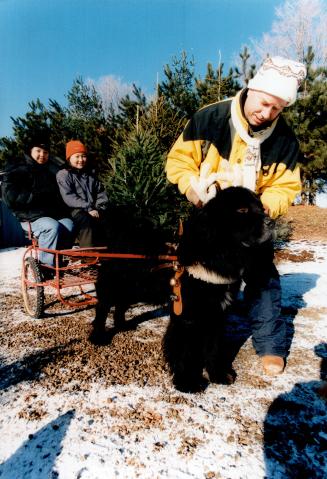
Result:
pixel 177 290
pixel 198 272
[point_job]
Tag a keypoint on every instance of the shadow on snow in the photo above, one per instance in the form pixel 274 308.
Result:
pixel 36 457
pixel 295 438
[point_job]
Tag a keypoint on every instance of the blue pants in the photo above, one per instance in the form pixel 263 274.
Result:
pixel 263 297
pixel 51 234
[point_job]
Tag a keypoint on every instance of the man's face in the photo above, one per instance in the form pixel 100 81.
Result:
pixel 260 107
pixel 40 155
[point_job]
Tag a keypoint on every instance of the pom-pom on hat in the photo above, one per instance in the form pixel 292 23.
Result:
pixel 73 147
pixel 279 77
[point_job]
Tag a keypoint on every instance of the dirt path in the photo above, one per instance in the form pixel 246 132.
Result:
pixel 308 222
pixel 76 411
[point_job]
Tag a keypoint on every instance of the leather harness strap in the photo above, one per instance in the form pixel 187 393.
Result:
pixel 177 293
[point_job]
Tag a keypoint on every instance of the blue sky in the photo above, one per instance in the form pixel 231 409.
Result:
pixel 46 44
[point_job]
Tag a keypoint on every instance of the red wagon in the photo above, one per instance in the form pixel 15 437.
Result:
pixel 74 268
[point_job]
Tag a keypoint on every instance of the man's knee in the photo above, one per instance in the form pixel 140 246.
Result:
pixel 263 296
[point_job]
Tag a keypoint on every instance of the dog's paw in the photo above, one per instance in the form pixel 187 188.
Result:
pixel 100 337
pixel 223 377
pixel 191 386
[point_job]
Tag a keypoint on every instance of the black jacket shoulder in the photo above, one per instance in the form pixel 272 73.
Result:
pixel 212 123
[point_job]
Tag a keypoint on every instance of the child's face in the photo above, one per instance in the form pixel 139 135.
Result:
pixel 78 160
pixel 40 155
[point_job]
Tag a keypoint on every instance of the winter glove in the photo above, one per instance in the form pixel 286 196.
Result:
pixel 229 175
pixel 204 185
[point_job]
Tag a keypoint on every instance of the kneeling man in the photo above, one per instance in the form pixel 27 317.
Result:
pixel 245 141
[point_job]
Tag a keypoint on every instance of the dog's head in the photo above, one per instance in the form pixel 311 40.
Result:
pixel 242 215
pixel 234 219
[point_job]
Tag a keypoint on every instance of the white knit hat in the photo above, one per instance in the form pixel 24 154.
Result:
pixel 279 77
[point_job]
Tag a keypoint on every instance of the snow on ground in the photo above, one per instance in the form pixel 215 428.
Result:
pixel 10 266
pixel 322 199
pixel 256 428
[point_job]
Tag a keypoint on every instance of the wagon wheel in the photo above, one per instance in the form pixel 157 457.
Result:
pixel 33 295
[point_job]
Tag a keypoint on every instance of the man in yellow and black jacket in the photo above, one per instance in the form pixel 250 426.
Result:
pixel 245 141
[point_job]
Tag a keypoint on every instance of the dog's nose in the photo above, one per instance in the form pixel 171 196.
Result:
pixel 268 222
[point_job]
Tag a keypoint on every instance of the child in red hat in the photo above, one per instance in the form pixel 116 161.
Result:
pixel 84 194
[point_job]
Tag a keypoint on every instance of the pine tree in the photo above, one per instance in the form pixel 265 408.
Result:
pixel 86 121
pixel 245 71
pixel 163 122
pixel 178 89
pixel 215 86
pixel 35 123
pixel 129 107
pixel 83 119
pixel 136 184
pixel 308 119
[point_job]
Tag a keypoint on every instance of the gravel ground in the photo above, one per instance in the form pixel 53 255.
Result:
pixel 73 410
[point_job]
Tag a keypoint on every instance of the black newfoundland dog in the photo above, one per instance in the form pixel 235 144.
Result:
pixel 214 250
pixel 125 282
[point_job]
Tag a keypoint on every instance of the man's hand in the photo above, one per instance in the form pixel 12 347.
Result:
pixel 203 187
pixel 193 197
pixel 94 213
pixel 266 209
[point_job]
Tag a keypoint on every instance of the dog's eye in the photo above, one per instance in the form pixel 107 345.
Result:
pixel 242 210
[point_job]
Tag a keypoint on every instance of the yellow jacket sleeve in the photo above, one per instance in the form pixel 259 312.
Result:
pixel 279 191
pixel 183 162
